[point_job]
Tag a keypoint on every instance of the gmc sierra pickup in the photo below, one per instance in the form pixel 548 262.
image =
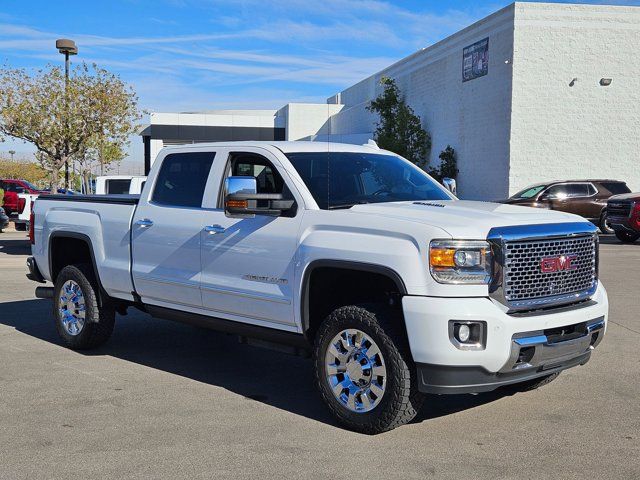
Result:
pixel 351 253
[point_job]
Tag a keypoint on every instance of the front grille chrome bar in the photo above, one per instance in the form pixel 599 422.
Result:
pixel 517 281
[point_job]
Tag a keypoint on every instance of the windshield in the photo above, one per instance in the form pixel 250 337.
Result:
pixel 30 185
pixel 344 179
pixel 529 192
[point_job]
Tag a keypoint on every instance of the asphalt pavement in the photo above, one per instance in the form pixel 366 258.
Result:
pixel 166 400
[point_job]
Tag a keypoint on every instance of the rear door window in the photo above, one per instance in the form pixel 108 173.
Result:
pixel 182 179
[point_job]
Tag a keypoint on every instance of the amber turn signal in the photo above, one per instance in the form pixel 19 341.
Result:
pixel 237 204
pixel 441 257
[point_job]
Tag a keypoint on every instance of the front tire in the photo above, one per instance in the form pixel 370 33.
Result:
pixel 364 370
pixel 627 237
pixel 81 322
pixel 604 224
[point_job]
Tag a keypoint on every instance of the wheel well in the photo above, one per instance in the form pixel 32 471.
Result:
pixel 65 251
pixel 328 287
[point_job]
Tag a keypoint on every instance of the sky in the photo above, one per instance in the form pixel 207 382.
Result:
pixel 194 55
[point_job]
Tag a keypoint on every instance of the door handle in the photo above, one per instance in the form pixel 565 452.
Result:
pixel 214 229
pixel 145 222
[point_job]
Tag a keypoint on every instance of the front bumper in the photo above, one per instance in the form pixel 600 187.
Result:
pixel 518 347
pixel 621 226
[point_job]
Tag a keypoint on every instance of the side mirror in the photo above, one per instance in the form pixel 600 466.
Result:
pixel 450 184
pixel 241 198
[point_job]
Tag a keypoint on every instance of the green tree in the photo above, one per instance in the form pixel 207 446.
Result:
pixel 448 167
pixel 25 170
pixel 399 129
pixel 63 123
pixel 100 155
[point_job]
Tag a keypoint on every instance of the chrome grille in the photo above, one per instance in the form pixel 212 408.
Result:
pixel 618 209
pixel 524 282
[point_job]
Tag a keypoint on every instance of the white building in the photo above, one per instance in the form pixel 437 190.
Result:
pixel 533 92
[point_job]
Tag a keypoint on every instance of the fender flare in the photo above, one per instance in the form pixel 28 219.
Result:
pixel 86 239
pixel 345 265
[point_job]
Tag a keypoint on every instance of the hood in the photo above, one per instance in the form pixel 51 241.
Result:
pixel 465 219
pixel 625 196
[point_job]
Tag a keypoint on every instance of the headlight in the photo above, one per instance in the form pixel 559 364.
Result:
pixel 460 261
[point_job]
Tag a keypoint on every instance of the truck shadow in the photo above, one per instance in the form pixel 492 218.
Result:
pixel 270 377
pixel 15 246
pixel 612 240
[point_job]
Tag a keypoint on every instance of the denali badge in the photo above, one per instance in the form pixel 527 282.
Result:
pixel 557 264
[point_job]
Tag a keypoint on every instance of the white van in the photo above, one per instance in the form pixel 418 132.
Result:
pixel 119 184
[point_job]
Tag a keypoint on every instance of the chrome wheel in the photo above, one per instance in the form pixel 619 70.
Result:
pixel 355 370
pixel 71 308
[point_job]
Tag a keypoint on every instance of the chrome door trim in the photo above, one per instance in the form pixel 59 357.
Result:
pixel 253 296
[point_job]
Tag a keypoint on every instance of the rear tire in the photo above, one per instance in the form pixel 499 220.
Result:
pixel 532 384
pixel 21 227
pixel 380 389
pixel 81 322
pixel 626 237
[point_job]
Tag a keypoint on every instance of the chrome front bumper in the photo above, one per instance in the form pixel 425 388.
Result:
pixel 547 349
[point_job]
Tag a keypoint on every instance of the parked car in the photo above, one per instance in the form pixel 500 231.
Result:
pixel 587 198
pixel 13 187
pixel 398 288
pixel 119 184
pixel 623 215
pixel 4 220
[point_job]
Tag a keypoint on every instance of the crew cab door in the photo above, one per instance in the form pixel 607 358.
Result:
pixel 166 231
pixel 248 262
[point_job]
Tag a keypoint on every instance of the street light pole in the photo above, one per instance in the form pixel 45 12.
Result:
pixel 66 47
pixel 12 153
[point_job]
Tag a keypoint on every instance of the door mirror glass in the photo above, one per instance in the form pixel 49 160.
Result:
pixel 241 198
pixel 235 185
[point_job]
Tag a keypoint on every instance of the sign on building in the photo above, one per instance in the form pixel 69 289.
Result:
pixel 475 60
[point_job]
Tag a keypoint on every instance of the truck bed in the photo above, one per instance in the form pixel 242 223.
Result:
pixel 123 199
pixel 103 221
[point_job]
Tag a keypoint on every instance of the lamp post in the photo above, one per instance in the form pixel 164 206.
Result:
pixel 12 153
pixel 66 47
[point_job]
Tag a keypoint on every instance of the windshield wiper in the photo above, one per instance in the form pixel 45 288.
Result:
pixel 346 205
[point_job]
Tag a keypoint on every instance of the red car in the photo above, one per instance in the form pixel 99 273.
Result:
pixel 12 187
pixel 623 215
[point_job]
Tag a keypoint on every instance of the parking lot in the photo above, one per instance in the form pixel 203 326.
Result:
pixel 166 400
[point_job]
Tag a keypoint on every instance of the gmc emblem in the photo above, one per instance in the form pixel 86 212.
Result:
pixel 558 264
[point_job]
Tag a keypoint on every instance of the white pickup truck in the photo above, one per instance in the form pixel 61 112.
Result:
pixel 351 253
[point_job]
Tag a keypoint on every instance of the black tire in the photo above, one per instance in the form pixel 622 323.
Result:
pixel 21 227
pixel 532 384
pixel 627 237
pixel 604 224
pixel 401 400
pixel 99 321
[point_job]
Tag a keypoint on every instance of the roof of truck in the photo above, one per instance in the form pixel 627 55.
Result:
pixel 287 147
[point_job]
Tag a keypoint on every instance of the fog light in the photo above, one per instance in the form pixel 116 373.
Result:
pixel 468 335
pixel 464 332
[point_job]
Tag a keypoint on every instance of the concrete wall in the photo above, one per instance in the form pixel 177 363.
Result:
pixel 474 116
pixel 307 119
pixel 585 130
